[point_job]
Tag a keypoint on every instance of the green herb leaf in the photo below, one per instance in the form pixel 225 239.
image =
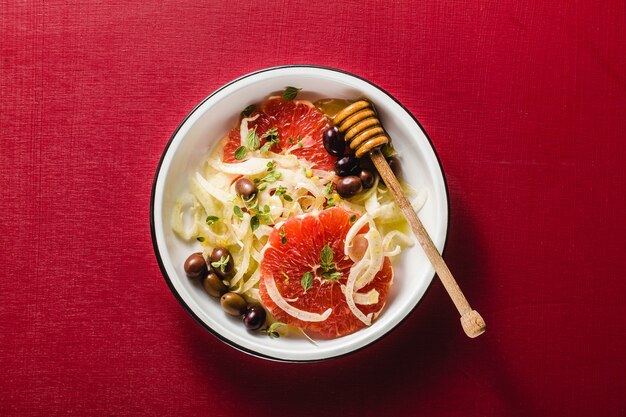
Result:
pixel 329 188
pixel 266 147
pixel 272 177
pixel 271 331
pixel 290 139
pixel 262 187
pixel 241 153
pixel 200 239
pixel 352 218
pixel 210 220
pixel 330 202
pixel 287 197
pixel 254 223
pixel 283 235
pixel 271 165
pixel 271 135
pixel 266 209
pixel 248 110
pixel 326 255
pixel 252 140
pixel 238 212
pixel 300 145
pixel 331 275
pixel 290 93
pixel 222 263
pixel 280 190
pixel 306 281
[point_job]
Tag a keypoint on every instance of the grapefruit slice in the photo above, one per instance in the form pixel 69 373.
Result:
pixel 294 249
pixel 297 122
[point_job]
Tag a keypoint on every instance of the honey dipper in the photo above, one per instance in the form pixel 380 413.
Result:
pixel 365 135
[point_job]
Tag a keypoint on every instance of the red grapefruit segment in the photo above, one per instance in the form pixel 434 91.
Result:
pixel 294 120
pixel 287 263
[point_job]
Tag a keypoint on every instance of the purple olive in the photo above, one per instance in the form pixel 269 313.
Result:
pixel 367 178
pixel 394 164
pixel 349 186
pixel 254 317
pixel 334 143
pixel 348 165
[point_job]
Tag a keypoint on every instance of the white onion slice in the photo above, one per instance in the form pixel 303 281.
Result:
pixel 349 293
pixel 251 166
pixel 274 294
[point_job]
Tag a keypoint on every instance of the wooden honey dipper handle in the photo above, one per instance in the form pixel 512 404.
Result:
pixel 364 133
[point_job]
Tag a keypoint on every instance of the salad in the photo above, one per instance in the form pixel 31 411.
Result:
pixel 296 232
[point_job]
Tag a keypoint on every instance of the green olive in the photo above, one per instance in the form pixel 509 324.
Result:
pixel 233 304
pixel 214 286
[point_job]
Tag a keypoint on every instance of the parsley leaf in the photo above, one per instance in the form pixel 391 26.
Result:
pixel 210 220
pixel 271 331
pixel 331 275
pixel 248 110
pixel 200 239
pixel 352 218
pixel 326 255
pixel 252 140
pixel 290 93
pixel 222 263
pixel 283 236
pixel 272 177
pixel 254 223
pixel 307 281
pixel 241 153
pixel 238 212
pixel 329 188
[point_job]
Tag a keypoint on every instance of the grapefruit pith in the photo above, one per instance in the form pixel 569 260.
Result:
pixel 296 122
pixel 293 250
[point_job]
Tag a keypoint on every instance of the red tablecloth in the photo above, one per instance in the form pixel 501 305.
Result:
pixel 524 101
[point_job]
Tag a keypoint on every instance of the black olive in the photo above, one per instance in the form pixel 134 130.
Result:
pixel 349 186
pixel 233 304
pixel 245 188
pixel 195 266
pixel 348 165
pixel 254 318
pixel 334 143
pixel 367 178
pixel 394 164
pixel 222 263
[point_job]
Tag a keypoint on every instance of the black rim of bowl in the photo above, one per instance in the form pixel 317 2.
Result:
pixel 158 253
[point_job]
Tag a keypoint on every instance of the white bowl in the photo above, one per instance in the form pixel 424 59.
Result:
pixel 210 121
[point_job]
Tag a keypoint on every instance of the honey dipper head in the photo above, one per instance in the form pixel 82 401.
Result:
pixel 361 127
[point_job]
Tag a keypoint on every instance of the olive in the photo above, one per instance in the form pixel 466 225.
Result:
pixel 222 262
pixel 366 163
pixel 254 318
pixel 394 164
pixel 245 188
pixel 348 165
pixel 367 178
pixel 214 286
pixel 195 266
pixel 349 186
pixel 233 304
pixel 334 143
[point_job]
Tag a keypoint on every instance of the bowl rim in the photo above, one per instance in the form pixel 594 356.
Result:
pixel 157 251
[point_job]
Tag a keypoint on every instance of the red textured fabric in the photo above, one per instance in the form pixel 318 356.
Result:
pixel 524 102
